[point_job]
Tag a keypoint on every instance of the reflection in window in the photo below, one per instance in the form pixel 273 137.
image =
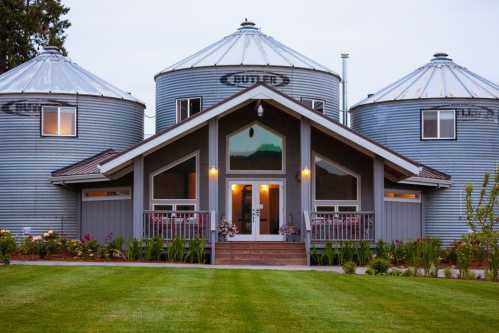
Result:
pixel 58 121
pixel 255 148
pixel 187 107
pixel 176 182
pixel 438 124
pixel 315 104
pixel 117 193
pixel 333 183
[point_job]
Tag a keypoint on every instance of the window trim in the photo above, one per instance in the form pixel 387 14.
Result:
pixel 174 206
pixel 188 99
pixel 418 200
pixel 423 138
pixel 357 202
pixel 59 107
pixel 251 172
pixel 107 198
pixel 336 208
pixel 313 99
pixel 195 201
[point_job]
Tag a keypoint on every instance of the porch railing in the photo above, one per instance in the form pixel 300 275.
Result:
pixel 341 226
pixel 186 225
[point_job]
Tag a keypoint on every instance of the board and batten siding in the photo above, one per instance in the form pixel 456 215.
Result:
pixel 27 198
pixel 466 159
pixel 205 82
pixel 403 221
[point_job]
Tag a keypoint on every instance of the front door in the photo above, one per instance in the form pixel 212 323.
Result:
pixel 256 208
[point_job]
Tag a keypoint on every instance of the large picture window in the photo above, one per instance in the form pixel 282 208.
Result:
pixel 438 124
pixel 255 149
pixel 58 121
pixel 335 187
pixel 177 184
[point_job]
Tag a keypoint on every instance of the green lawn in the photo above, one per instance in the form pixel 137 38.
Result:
pixel 121 299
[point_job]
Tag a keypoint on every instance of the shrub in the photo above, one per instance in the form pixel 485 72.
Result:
pixel 112 248
pixel 412 255
pixel 382 249
pixel 464 252
pixel 370 271
pixel 153 249
pixel 316 257
pixel 363 253
pixel 347 251
pixel 349 267
pixel 397 252
pixel 469 275
pixel 176 250
pixel 429 250
pixel 195 254
pixel 134 250
pixel 379 265
pixel 28 247
pixel 7 246
pixel 327 256
pixel 395 272
pixel 88 247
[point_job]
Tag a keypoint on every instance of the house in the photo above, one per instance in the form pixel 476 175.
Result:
pixel 248 132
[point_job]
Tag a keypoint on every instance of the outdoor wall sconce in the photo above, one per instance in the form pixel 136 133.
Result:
pixel 213 171
pixel 305 172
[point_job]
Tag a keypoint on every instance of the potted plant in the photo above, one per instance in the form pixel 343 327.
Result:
pixel 290 231
pixel 226 229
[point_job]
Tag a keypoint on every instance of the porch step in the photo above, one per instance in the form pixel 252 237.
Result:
pixel 260 253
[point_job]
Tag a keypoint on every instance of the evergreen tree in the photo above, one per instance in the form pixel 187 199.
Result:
pixel 26 26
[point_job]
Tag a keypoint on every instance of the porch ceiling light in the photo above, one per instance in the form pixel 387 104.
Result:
pixel 264 188
pixel 259 110
pixel 234 187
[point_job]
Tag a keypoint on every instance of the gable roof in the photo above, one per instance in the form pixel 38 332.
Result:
pixel 259 91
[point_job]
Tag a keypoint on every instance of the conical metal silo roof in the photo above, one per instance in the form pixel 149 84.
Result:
pixel 440 78
pixel 248 46
pixel 51 72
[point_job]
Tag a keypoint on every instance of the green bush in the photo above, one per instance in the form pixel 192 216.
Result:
pixel 153 249
pixel 195 253
pixel 349 267
pixel 412 253
pixel 347 251
pixel 382 249
pixel 448 273
pixel 363 252
pixel 379 265
pixel 7 246
pixel 370 271
pixel 134 250
pixel 395 272
pixel 327 257
pixel 397 252
pixel 176 250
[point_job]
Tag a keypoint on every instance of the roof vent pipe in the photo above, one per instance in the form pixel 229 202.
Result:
pixel 344 104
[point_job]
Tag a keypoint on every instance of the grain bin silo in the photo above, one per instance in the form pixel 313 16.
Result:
pixel 444 116
pixel 54 113
pixel 235 62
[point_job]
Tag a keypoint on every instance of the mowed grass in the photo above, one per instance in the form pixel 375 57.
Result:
pixel 123 299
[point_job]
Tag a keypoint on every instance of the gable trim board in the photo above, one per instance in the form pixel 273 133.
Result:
pixel 257 92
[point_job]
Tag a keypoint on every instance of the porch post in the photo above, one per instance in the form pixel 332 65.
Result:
pixel 213 182
pixel 379 198
pixel 138 197
pixel 305 168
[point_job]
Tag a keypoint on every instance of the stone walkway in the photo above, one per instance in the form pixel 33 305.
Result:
pixel 334 269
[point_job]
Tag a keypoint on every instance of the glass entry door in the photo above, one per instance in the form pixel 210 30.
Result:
pixel 256 208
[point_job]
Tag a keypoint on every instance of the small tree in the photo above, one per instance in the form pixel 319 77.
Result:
pixel 482 219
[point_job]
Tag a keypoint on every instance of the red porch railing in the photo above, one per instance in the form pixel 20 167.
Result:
pixel 168 225
pixel 341 226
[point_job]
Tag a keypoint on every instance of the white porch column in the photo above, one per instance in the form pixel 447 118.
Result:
pixel 138 197
pixel 379 198
pixel 305 166
pixel 213 164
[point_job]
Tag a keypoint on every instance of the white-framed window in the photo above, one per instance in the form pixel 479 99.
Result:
pixel 176 186
pixel 58 121
pixel 255 148
pixel 106 193
pixel 335 188
pixel 187 107
pixel 438 124
pixel 402 195
pixel 314 103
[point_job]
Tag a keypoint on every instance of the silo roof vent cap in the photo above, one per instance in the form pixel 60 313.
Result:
pixel 441 56
pixel 51 50
pixel 248 25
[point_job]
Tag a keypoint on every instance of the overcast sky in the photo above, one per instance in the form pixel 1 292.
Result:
pixel 127 42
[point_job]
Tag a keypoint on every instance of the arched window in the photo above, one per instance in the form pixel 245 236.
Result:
pixel 255 149
pixel 335 187
pixel 177 184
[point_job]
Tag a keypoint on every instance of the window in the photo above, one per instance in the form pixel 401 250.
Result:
pixel 187 107
pixel 255 149
pixel 438 124
pixel 315 104
pixel 58 121
pixel 98 194
pixel 176 186
pixel 402 196
pixel 336 189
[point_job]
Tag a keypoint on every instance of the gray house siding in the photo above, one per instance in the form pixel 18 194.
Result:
pixel 403 221
pixel 466 159
pixel 205 82
pixel 107 218
pixel 27 199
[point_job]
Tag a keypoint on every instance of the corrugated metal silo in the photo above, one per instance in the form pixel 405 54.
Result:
pixel 393 116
